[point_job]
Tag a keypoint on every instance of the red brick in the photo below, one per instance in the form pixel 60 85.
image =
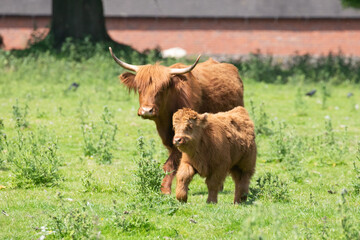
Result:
pixel 214 36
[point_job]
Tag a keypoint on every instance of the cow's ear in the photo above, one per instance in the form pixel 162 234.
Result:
pixel 178 78
pixel 129 80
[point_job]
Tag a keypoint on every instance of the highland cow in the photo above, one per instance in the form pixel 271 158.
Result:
pixel 205 87
pixel 214 145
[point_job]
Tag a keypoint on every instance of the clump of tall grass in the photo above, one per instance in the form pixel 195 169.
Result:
pixel 269 187
pixel 93 184
pixel 325 94
pixel 33 159
pixel 356 181
pixel 349 223
pixel 99 139
pixel 148 175
pixel 71 221
pixel 20 115
pixel 3 144
pixel 299 103
pixel 333 68
pixel 290 148
pixel 146 187
pixel 130 221
pixel 260 118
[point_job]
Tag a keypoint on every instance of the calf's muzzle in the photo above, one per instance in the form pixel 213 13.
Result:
pixel 177 141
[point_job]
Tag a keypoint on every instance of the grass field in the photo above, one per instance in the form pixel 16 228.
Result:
pixel 71 161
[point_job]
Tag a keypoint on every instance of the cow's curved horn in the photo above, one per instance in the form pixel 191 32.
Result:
pixel 124 64
pixel 184 70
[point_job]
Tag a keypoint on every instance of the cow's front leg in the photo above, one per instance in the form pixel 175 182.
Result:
pixel 170 167
pixel 183 178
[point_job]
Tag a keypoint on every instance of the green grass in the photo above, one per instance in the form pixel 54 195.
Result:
pixel 314 167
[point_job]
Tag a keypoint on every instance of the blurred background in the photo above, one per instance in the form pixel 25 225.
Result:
pixel 228 28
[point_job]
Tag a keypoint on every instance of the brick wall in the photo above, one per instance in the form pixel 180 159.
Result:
pixel 16 31
pixel 215 36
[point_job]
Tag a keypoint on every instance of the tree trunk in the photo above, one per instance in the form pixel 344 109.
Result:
pixel 78 19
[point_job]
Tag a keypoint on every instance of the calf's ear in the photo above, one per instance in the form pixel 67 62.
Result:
pixel 204 119
pixel 129 80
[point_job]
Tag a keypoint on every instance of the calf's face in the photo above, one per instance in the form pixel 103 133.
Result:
pixel 187 126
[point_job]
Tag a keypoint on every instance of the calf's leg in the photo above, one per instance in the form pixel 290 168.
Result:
pixel 214 183
pixel 242 182
pixel 184 176
pixel 170 167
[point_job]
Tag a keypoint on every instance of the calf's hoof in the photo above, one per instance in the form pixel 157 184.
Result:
pixel 166 190
pixel 181 196
pixel 211 201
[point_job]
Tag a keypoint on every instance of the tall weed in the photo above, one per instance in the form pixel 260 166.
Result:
pixel 333 68
pixel 300 104
pixel 71 222
pixel 99 139
pixel 130 221
pixel 20 115
pixel 349 224
pixel 147 181
pixel 92 184
pixel 269 187
pixel 260 118
pixel 3 144
pixel 34 159
pixel 356 181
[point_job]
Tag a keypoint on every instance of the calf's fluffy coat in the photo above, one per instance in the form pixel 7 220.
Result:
pixel 214 145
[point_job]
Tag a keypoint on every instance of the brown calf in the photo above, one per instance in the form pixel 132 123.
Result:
pixel 214 145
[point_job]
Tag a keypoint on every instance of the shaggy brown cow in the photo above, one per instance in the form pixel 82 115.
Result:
pixel 214 145
pixel 210 87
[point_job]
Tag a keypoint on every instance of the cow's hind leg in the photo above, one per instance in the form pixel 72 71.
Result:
pixel 214 183
pixel 242 182
pixel 170 167
pixel 183 178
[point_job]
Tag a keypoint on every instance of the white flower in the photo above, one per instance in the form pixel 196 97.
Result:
pixel 327 117
pixel 357 106
pixel 87 127
pixel 336 108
